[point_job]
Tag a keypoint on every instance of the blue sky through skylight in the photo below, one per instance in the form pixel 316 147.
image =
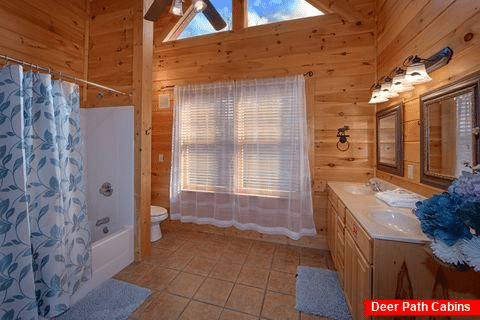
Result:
pixel 259 12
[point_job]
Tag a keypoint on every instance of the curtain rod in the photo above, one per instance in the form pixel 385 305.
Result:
pixel 61 74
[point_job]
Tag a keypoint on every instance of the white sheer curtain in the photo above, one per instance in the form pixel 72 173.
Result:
pixel 240 156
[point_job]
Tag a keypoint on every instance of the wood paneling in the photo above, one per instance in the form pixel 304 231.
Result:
pixel 342 57
pixel 423 28
pixel 47 33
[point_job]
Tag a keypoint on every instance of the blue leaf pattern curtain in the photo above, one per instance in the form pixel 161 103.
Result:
pixel 45 246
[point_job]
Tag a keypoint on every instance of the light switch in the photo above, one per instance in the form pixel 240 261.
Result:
pixel 410 171
pixel 160 157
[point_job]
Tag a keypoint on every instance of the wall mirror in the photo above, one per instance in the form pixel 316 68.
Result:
pixel 450 132
pixel 390 140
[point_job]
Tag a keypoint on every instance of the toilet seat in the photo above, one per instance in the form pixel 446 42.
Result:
pixel 158 214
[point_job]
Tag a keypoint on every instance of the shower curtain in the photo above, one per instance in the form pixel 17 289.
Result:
pixel 45 247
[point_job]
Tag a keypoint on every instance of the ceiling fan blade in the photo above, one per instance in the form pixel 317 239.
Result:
pixel 156 9
pixel 213 16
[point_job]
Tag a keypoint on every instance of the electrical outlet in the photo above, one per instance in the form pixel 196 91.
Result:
pixel 160 157
pixel 410 171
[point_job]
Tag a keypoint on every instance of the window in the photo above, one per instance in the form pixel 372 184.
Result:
pixel 241 137
pixel 260 12
pixel 269 11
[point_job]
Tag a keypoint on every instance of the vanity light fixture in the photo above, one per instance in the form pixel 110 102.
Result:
pixel 399 84
pixel 417 72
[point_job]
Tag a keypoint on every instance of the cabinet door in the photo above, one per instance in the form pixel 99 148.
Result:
pixel 348 284
pixel 358 278
pixel 340 249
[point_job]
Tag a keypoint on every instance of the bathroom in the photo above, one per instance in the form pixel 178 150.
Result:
pixel 348 50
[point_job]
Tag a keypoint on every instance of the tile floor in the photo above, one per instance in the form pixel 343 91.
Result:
pixel 202 276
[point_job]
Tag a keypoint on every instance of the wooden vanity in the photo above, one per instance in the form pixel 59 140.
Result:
pixel 375 261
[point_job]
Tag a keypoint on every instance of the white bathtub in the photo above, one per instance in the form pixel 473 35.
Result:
pixel 110 255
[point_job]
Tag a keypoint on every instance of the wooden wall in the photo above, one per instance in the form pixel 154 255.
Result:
pixel 342 57
pixel 47 33
pixel 120 55
pixel 422 28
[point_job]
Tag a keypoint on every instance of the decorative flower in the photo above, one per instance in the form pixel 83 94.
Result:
pixel 452 220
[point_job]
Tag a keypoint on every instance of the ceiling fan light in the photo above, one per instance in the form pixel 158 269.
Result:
pixel 416 74
pixel 200 5
pixel 177 8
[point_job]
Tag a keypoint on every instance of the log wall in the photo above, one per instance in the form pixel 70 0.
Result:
pixel 422 28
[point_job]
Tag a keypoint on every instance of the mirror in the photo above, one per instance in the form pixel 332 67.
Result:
pixel 449 116
pixel 390 140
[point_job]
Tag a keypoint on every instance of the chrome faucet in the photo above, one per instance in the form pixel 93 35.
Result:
pixel 375 185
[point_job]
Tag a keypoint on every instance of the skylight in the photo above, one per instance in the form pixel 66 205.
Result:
pixel 259 12
pixel 268 11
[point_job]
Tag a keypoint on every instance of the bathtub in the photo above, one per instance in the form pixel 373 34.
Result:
pixel 109 255
pixel 107 140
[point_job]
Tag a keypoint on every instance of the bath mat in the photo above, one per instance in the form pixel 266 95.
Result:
pixel 112 300
pixel 319 293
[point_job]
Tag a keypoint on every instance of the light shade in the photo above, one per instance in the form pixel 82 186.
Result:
pixel 416 74
pixel 399 84
pixel 386 91
pixel 377 97
pixel 177 8
pixel 199 5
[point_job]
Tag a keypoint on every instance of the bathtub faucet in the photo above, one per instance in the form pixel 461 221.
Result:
pixel 102 221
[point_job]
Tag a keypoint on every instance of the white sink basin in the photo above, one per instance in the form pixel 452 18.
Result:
pixel 359 190
pixel 399 221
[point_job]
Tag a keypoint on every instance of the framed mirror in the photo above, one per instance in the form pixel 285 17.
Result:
pixel 449 134
pixel 390 140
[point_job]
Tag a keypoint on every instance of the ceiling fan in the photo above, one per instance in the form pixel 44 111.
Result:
pixel 205 6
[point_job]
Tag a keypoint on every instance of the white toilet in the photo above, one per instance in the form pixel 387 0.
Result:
pixel 158 214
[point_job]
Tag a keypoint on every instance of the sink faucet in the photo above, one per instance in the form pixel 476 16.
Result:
pixel 375 185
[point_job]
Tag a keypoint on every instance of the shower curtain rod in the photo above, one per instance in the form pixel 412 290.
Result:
pixel 61 74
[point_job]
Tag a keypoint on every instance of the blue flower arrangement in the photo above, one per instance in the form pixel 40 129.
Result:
pixel 452 221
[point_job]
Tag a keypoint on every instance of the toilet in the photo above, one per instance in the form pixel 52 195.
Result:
pixel 158 214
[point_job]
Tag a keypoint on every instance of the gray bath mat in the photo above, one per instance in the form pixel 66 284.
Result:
pixel 319 293
pixel 112 300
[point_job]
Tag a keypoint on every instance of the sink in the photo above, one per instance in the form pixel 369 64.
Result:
pixel 359 190
pixel 396 220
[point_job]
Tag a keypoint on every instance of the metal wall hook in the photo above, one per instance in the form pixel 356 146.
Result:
pixel 343 138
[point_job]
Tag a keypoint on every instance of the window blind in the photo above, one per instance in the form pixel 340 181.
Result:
pixel 241 137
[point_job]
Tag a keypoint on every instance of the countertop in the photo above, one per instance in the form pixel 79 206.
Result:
pixel 361 202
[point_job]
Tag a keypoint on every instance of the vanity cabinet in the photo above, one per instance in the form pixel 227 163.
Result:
pixel 376 265
pixel 358 267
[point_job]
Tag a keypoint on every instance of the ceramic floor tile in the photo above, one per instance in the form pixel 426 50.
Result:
pixel 158 278
pixel 200 265
pixel 253 276
pixel 185 284
pixel 233 256
pixel 279 306
pixel 246 299
pixel 201 311
pixel 285 263
pixel 161 306
pixel 235 315
pixel 178 260
pixel 214 291
pixel 225 271
pixel 282 282
pixel 262 248
pixel 260 261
